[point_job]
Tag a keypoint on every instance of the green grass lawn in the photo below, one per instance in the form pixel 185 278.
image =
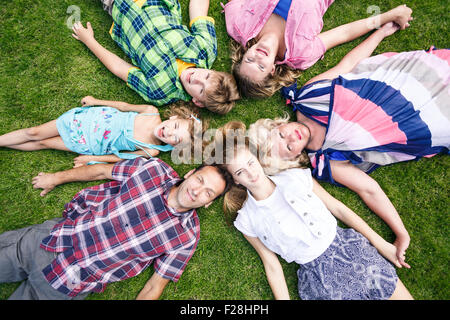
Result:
pixel 44 72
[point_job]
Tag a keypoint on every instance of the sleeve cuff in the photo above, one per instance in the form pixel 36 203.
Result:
pixel 201 17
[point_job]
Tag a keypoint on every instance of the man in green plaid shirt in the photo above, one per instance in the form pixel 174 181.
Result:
pixel 170 62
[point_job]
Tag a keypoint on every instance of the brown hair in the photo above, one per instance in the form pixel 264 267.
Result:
pixel 236 196
pixel 221 98
pixel 284 75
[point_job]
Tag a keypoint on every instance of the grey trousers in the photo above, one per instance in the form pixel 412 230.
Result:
pixel 21 259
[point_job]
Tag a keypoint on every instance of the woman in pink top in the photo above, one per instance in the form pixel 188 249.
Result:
pixel 276 38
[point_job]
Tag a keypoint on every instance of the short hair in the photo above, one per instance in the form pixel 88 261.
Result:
pixel 259 134
pixel 229 182
pixel 222 94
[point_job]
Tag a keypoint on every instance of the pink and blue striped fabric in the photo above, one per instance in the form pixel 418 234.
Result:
pixel 391 107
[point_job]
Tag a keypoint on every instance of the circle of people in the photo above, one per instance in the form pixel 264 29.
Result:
pixel 365 112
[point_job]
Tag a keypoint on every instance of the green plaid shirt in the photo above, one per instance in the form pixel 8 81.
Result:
pixel 153 36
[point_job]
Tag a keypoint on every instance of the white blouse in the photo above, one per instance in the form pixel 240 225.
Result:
pixel 292 222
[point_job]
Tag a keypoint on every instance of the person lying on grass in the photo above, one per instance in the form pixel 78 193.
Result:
pixel 364 113
pixel 112 231
pixel 291 215
pixel 274 40
pixel 169 61
pixel 104 130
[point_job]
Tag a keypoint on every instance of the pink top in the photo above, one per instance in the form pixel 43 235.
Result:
pixel 245 19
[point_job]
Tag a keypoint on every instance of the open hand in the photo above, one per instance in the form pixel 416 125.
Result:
pixel 82 160
pixel 44 181
pixel 81 33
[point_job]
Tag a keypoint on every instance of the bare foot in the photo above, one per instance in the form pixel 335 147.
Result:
pixel 44 181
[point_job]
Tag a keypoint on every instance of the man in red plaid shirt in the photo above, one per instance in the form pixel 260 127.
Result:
pixel 113 231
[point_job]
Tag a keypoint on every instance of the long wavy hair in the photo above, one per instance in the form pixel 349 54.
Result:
pixel 284 75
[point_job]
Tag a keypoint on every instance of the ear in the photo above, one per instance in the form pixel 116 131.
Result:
pixel 187 175
pixel 272 72
pixel 173 117
pixel 198 103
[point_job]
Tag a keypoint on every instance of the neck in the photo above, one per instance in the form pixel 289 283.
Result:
pixel 263 190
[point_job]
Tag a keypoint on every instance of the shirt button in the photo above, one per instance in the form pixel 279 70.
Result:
pixel 265 238
pixel 311 224
pixel 319 233
pixel 292 201
pixel 305 214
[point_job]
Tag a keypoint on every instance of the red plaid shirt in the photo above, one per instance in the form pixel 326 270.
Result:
pixel 115 230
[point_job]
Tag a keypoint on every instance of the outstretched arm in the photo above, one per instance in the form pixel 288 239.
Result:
pixel 401 15
pixel 48 181
pixel 116 65
pixel 360 52
pixel 82 160
pixel 371 193
pixel 153 288
pixel 119 105
pixel 351 219
pixel 272 266
pixel 198 8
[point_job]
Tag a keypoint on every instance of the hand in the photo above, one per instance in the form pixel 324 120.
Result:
pixel 82 161
pixel 81 33
pixel 402 16
pixel 388 29
pixel 401 244
pixel 88 101
pixel 44 181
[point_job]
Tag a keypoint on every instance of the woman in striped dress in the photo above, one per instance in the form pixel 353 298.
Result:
pixel 364 113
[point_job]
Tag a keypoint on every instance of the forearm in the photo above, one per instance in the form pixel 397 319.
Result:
pixel 363 50
pixel 84 173
pixel 277 283
pixel 379 203
pixel 112 62
pixel 122 106
pixel 198 8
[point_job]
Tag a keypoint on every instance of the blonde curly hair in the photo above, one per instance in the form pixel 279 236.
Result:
pixel 260 134
pixel 284 75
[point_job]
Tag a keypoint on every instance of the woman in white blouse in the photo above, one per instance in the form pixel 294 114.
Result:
pixel 301 226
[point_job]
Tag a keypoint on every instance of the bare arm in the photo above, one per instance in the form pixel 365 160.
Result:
pixel 116 65
pixel 48 181
pixel 84 159
pixel 153 288
pixel 198 8
pixel 371 193
pixel 401 15
pixel 119 105
pixel 351 219
pixel 272 266
pixel 360 52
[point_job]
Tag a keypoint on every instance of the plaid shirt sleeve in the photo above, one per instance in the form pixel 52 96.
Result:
pixel 172 264
pixel 124 169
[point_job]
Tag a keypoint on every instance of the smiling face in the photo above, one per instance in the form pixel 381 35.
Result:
pixel 246 169
pixel 258 62
pixel 199 188
pixel 289 140
pixel 197 82
pixel 173 131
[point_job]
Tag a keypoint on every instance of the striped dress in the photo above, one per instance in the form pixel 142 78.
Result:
pixel 390 108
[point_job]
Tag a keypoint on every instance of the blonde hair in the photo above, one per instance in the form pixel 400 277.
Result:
pixel 284 75
pixel 190 112
pixel 221 98
pixel 260 134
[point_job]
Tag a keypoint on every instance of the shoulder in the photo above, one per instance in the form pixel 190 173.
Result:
pixel 293 178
